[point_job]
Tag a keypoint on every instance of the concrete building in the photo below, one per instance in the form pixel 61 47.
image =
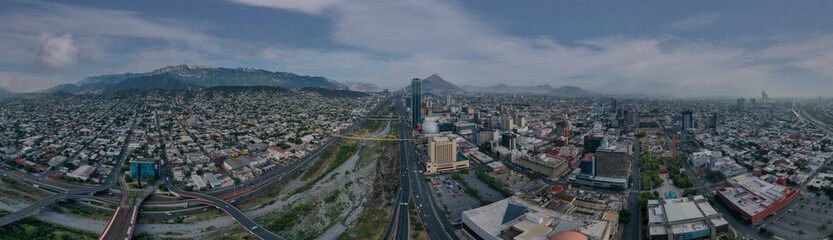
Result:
pixel 237 162
pixel 684 218
pixel 506 123
pixel 543 164
pixel 515 218
pixel 143 167
pixel 755 198
pixel 83 172
pixel 442 154
pixel 520 120
pixel 688 120
pixel 613 160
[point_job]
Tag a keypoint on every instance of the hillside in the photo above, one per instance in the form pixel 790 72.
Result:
pixel 160 81
pixel 435 83
pixel 193 75
pixel 503 88
pixel 333 93
pixel 570 91
pixel 4 92
pixel 245 88
pixel 362 86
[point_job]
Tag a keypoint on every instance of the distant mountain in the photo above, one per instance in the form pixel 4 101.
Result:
pixel 245 88
pixel 208 76
pixel 160 81
pixel 570 91
pixel 333 93
pixel 4 92
pixel 503 88
pixel 436 83
pixel 110 78
pixel 362 86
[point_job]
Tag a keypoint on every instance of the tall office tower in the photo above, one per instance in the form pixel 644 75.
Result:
pixel 509 140
pixel 741 103
pixel 764 96
pixel 442 153
pixel 506 123
pixel 520 120
pixel 713 120
pixel 688 120
pixel 613 104
pixel 633 118
pixel 416 102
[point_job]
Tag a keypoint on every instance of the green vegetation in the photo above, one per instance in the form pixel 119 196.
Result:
pixel 32 228
pixel 345 150
pixel 489 180
pixel 624 216
pixel 288 218
pixel 648 125
pixel 370 225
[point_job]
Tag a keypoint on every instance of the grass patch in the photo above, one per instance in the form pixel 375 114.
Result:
pixel 370 225
pixel 268 197
pixel 492 182
pixel 32 228
pixel 345 150
pixel 288 218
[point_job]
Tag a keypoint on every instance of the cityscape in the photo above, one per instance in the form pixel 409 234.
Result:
pixel 470 132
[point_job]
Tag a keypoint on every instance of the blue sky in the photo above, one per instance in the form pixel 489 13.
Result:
pixel 683 48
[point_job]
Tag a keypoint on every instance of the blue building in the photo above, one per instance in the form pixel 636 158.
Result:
pixel 141 168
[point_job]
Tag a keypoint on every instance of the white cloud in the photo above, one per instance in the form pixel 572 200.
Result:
pixel 57 52
pixel 697 21
pixel 417 38
pixel 306 6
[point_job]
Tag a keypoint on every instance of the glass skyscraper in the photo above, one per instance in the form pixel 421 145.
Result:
pixel 416 102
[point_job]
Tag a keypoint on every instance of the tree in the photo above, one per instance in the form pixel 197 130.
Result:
pixel 31 230
pixel 62 236
pixel 624 216
pixel 127 178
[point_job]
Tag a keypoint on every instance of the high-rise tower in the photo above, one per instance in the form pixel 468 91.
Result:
pixel 416 102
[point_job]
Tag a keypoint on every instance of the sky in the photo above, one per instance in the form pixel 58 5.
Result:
pixel 670 48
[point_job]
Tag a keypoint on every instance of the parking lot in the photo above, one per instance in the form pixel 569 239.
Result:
pixel 452 196
pixel 807 217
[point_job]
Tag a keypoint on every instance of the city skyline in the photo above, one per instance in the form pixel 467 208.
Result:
pixel 707 48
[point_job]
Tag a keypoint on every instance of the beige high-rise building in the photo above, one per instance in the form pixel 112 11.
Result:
pixel 442 153
pixel 506 123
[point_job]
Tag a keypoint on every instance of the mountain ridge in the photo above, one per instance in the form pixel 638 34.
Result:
pixel 184 76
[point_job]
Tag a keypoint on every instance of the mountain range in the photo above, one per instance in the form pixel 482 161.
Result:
pixel 435 83
pixel 192 76
pixel 362 86
pixel 503 88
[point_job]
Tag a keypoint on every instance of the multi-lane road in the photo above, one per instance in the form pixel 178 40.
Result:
pixel 413 186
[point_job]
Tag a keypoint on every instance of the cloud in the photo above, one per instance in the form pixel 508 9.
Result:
pixel 15 82
pixel 396 40
pixel 57 52
pixel 306 6
pixel 697 21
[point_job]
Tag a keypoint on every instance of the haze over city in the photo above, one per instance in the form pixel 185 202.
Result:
pixel 416 120
pixel 679 48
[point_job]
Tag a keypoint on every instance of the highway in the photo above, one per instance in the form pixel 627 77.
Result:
pixel 412 185
pixel 634 226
